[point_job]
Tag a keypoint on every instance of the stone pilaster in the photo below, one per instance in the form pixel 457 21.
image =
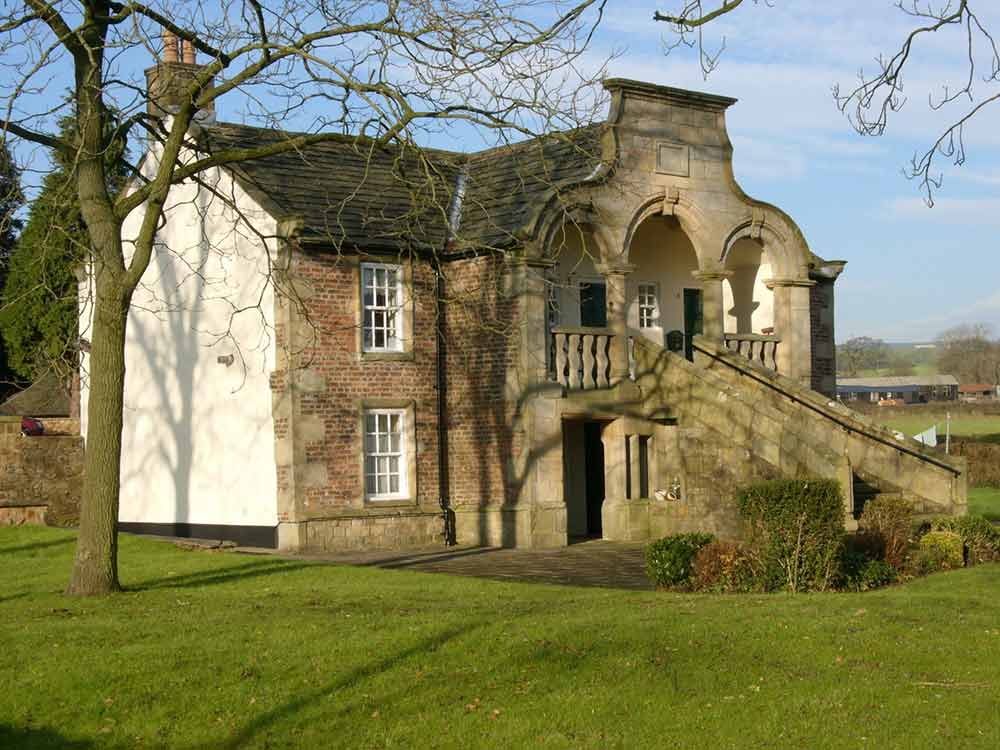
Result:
pixel 793 324
pixel 713 312
pixel 617 302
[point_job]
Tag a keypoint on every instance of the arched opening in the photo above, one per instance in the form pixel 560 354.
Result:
pixel 577 293
pixel 662 293
pixel 747 302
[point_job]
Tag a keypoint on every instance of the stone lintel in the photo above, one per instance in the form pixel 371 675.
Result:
pixel 772 283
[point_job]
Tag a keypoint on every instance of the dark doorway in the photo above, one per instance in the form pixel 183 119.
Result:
pixel 693 320
pixel 593 451
pixel 594 304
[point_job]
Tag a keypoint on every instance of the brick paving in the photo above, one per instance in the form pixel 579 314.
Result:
pixel 588 563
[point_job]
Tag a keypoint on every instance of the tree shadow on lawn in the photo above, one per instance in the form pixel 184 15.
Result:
pixel 202 578
pixel 350 680
pixel 36 739
pixel 36 545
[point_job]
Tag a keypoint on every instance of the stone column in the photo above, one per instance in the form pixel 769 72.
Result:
pixel 713 313
pixel 617 301
pixel 794 326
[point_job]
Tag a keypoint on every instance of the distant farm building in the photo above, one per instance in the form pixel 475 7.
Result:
pixel 909 389
pixel 977 392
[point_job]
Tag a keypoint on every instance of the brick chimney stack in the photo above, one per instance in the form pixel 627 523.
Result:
pixel 167 81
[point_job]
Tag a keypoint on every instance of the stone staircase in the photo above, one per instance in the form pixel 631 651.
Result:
pixel 737 422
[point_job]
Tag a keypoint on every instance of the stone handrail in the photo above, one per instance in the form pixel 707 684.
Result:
pixel 582 357
pixel 849 421
pixel 758 348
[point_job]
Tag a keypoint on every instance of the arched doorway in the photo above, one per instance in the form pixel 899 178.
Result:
pixel 662 293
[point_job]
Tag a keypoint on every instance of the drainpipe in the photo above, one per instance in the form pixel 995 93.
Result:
pixel 444 488
pixel 444 491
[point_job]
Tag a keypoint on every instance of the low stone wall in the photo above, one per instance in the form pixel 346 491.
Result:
pixel 933 409
pixel 41 478
pixel 388 531
pixel 983 461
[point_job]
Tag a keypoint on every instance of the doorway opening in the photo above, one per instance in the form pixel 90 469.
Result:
pixel 583 478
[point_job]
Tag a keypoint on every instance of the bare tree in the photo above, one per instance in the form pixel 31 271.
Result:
pixel 391 74
pixel 878 94
pixel 970 353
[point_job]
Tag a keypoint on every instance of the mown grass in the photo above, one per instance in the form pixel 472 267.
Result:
pixel 985 501
pixel 218 650
pixel 980 428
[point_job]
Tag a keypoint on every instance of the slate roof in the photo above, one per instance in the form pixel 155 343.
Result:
pixel 46 397
pixel 347 192
pixel 894 382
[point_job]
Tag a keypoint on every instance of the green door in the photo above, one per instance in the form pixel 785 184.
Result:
pixel 593 304
pixel 693 317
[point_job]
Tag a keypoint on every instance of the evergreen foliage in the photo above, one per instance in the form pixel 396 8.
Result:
pixel 38 318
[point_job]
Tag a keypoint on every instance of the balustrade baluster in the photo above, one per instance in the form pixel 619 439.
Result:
pixel 573 353
pixel 589 380
pixel 560 358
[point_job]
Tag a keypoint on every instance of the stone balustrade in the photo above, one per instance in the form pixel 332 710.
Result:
pixel 581 357
pixel 759 349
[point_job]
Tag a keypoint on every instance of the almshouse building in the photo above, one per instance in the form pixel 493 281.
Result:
pixel 595 332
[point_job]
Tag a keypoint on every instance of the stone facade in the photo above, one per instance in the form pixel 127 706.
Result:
pixel 679 438
pixel 533 367
pixel 40 478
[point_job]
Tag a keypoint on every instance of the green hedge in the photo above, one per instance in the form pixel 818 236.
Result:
pixel 980 538
pixel 669 561
pixel 797 526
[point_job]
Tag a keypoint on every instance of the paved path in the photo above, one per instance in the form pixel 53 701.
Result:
pixel 589 563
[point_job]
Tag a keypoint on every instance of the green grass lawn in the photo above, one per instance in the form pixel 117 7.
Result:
pixel 218 650
pixel 981 428
pixel 985 501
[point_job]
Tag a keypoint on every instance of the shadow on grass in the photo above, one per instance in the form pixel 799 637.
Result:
pixel 35 739
pixel 350 680
pixel 417 558
pixel 202 578
pixel 36 545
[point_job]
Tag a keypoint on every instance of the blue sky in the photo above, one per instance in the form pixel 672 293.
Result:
pixel 912 271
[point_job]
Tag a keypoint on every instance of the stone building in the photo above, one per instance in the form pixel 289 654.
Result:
pixel 592 333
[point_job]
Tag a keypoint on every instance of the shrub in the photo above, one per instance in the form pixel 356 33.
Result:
pixel 871 574
pixel 890 519
pixel 669 561
pixel 725 567
pixel 797 527
pixel 980 537
pixel 939 550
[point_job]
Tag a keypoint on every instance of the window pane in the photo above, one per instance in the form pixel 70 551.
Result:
pixel 370 484
pixel 394 483
pixel 369 423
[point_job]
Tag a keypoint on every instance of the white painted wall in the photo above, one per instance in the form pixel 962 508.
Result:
pixel 662 254
pixel 198 438
pixel 747 302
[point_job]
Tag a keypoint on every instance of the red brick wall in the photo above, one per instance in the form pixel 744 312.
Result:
pixel 333 307
pixel 482 343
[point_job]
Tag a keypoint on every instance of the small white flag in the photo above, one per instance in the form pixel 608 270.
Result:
pixel 928 437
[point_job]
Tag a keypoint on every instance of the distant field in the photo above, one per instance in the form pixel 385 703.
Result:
pixel 985 501
pixel 983 428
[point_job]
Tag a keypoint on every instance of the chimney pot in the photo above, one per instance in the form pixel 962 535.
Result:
pixel 189 52
pixel 169 46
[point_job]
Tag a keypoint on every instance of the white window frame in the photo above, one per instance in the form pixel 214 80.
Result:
pixel 402 454
pixel 654 309
pixel 395 319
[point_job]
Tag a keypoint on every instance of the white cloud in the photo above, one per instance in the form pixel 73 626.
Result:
pixel 966 211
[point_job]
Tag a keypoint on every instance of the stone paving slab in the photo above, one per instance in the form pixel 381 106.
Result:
pixel 590 563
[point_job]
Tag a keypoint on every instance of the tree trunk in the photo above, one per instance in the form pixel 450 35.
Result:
pixel 95 567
